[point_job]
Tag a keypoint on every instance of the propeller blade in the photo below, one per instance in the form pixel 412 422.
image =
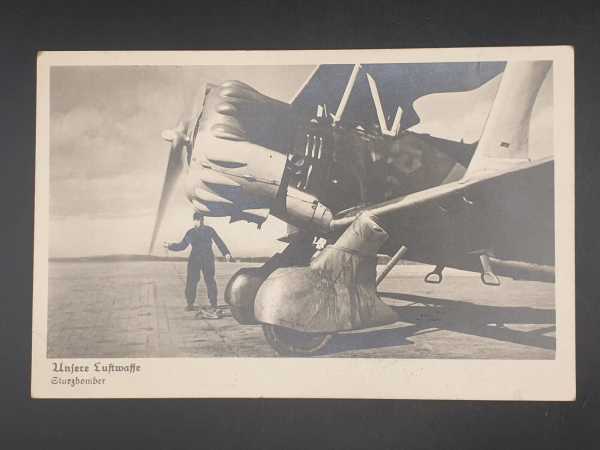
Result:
pixel 174 169
pixel 178 137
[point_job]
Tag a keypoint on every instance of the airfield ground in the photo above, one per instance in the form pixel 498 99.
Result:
pixel 136 309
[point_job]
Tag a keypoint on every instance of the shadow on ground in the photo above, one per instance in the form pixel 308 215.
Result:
pixel 427 314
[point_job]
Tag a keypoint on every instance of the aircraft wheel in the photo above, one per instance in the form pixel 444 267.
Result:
pixel 240 293
pixel 288 342
pixel 240 315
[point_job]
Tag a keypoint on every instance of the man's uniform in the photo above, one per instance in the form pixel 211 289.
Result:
pixel 201 259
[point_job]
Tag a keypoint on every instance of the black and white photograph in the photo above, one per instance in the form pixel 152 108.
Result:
pixel 378 212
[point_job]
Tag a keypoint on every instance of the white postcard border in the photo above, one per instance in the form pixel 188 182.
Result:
pixel 323 377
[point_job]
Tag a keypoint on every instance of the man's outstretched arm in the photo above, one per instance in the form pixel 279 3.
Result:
pixel 178 246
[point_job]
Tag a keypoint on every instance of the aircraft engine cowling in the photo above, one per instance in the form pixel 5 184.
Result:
pixel 238 157
pixel 249 155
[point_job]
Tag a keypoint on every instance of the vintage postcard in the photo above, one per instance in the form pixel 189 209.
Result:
pixel 319 224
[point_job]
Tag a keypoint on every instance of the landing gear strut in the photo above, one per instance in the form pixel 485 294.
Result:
pixel 288 342
pixel 302 307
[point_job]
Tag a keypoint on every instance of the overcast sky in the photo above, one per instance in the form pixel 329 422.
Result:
pixel 107 159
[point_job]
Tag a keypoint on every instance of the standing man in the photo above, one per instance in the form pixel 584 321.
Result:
pixel 201 237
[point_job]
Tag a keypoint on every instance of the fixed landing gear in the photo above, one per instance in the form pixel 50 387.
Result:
pixel 241 290
pixel 301 302
pixel 301 308
pixel 288 342
pixel 242 287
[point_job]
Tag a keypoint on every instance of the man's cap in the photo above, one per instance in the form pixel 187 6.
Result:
pixel 198 215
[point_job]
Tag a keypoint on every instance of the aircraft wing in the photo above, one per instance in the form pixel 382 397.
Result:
pixel 451 222
pixel 399 85
pixel 501 186
pixel 419 201
pixel 503 148
pixel 505 138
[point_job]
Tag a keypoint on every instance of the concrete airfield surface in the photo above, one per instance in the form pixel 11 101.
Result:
pixel 136 309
